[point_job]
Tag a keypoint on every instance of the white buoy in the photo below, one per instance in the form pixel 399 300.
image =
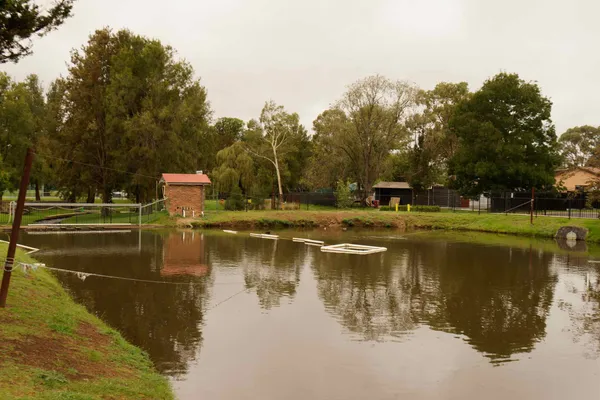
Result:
pixel 228 231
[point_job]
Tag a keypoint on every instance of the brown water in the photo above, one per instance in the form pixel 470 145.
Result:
pixel 434 317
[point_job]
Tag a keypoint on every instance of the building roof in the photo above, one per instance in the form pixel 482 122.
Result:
pixel 186 179
pixel 392 185
pixel 577 178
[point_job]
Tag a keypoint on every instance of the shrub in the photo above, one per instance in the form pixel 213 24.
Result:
pixel 235 201
pixel 426 209
pixel 343 195
pixel 413 208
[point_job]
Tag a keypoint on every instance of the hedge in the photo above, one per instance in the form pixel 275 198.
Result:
pixel 413 208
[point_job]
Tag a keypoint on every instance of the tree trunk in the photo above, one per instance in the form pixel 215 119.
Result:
pixel 37 191
pixel 91 195
pixel 278 178
pixel 106 198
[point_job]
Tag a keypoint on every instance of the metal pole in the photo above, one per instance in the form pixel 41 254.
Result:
pixel 532 199
pixel 14 235
pixel 140 215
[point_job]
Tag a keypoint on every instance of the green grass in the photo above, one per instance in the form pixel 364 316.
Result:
pixel 464 221
pixel 54 349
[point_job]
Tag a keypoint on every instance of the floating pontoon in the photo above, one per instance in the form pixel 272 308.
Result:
pixel 348 248
pixel 264 236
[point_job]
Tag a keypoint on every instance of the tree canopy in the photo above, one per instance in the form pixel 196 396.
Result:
pixel 22 19
pixel 128 111
pixel 506 139
pixel 363 127
pixel 578 146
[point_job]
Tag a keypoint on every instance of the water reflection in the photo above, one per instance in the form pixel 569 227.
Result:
pixel 580 298
pixel 497 297
pixel 271 268
pixel 163 319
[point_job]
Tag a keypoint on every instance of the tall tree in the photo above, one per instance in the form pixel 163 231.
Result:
pixel 22 108
pixel 434 143
pixel 272 137
pixel 578 145
pixel 236 169
pixel 370 124
pixel 221 135
pixel 328 162
pixel 22 19
pixel 131 111
pixel 506 138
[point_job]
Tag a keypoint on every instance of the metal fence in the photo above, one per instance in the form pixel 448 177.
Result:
pixel 83 213
pixel 545 206
pixel 246 202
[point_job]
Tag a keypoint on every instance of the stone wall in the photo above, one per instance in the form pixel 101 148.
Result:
pixel 185 197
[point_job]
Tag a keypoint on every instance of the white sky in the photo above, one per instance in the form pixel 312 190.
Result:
pixel 303 53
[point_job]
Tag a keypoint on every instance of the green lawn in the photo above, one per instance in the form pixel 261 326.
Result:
pixel 53 349
pixel 466 221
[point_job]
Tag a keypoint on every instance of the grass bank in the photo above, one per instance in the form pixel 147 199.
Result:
pixel 465 221
pixel 53 349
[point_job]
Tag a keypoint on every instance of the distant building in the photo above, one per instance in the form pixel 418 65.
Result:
pixel 384 191
pixel 577 179
pixel 185 193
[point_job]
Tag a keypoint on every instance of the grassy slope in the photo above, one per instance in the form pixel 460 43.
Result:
pixel 468 221
pixel 53 349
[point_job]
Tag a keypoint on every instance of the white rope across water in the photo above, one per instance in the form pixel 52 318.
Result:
pixel 83 275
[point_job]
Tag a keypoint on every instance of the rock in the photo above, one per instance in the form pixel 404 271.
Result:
pixel 571 233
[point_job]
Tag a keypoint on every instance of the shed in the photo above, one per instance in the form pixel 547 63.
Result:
pixel 384 191
pixel 185 193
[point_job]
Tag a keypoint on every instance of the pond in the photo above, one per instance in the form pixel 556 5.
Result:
pixel 436 316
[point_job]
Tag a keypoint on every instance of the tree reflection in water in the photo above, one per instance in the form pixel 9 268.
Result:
pixel 581 300
pixel 498 297
pixel 271 267
pixel 163 319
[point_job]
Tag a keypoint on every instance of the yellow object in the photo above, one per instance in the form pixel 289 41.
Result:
pixel 408 207
pixel 249 201
pixel 396 207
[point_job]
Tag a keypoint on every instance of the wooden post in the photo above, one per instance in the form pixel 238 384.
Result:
pixel 532 200
pixel 14 235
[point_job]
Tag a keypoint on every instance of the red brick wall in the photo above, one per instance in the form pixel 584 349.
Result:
pixel 188 197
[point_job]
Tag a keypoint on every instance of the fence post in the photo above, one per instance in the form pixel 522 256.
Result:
pixel 140 215
pixel 569 207
pixel 532 200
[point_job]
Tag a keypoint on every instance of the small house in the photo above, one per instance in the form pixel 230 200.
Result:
pixel 185 193
pixel 384 191
pixel 577 179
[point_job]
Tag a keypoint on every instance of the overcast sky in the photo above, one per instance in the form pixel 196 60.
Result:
pixel 302 53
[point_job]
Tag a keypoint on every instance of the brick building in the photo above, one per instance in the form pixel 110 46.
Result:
pixel 185 193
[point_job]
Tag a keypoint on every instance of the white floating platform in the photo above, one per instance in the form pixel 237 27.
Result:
pixel 264 236
pixel 309 241
pixel 348 248
pixel 228 231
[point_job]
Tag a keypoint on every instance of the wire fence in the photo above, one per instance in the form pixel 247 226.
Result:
pixel 83 213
